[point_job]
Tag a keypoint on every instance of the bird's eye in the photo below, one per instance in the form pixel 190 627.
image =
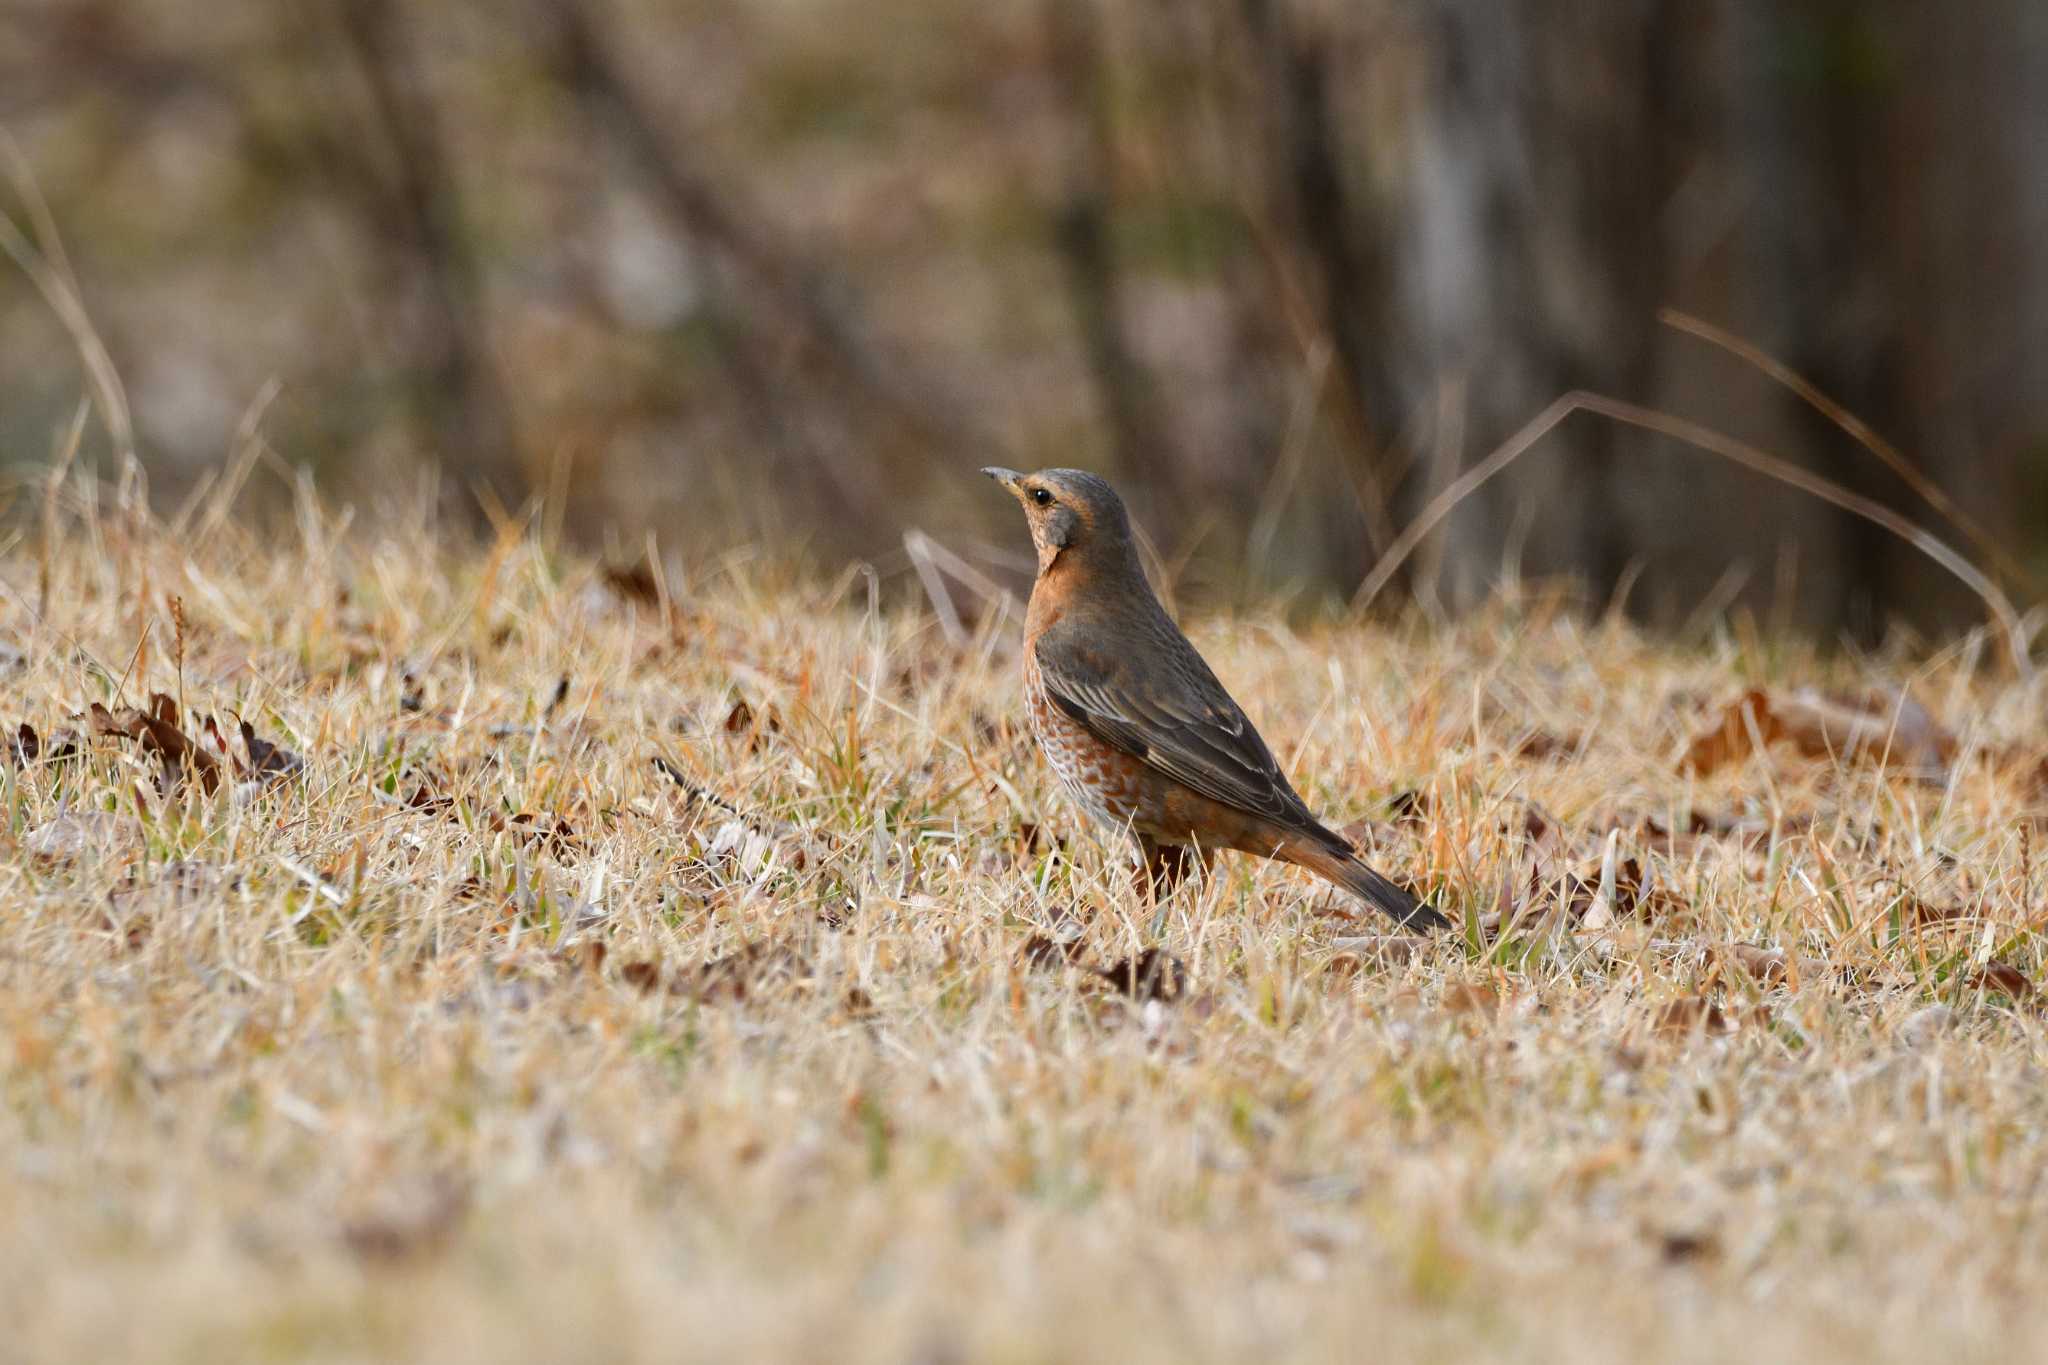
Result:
pixel 1041 497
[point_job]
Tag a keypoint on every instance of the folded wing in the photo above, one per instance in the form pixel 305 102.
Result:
pixel 1176 717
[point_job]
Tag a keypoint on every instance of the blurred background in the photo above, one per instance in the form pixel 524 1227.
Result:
pixel 785 272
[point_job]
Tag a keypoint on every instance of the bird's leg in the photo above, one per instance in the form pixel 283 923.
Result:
pixel 1166 864
pixel 1163 865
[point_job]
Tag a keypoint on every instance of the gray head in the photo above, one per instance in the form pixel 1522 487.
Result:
pixel 1072 513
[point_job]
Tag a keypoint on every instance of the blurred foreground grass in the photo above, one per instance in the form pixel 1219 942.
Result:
pixel 453 1026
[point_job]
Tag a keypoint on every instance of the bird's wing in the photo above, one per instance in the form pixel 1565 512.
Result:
pixel 1173 714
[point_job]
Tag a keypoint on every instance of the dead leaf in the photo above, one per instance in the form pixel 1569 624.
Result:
pixel 1153 974
pixel 1412 807
pixel 426 799
pixel 743 720
pixel 1680 1248
pixel 551 833
pixel 1031 837
pixel 641 976
pixel 1882 727
pixel 1042 952
pixel 26 747
pixel 1585 898
pixel 267 760
pixel 2034 778
pixel 1369 837
pixel 1768 965
pixel 1543 745
pixel 1879 726
pixel 104 724
pixel 1480 998
pixel 2003 978
pixel 633 582
pixel 1539 826
pixel 1774 966
pixel 134 929
pixel 157 730
pixel 1923 913
pixel 1691 1014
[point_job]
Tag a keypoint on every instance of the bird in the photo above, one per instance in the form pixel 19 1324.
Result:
pixel 1138 731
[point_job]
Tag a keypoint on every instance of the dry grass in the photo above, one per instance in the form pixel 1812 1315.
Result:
pixel 414 1052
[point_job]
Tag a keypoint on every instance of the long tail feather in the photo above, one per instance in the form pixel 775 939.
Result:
pixel 1360 880
pixel 1330 856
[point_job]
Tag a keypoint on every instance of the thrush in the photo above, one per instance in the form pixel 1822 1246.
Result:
pixel 1135 725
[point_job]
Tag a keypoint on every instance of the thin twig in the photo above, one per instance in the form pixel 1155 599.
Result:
pixel 1714 443
pixel 48 267
pixel 1859 431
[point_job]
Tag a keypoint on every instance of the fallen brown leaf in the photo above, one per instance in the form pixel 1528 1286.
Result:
pixel 1773 966
pixel 267 760
pixel 1471 997
pixel 1679 1248
pixel 25 746
pixel 157 731
pixel 551 833
pixel 1043 952
pixel 1543 745
pixel 1535 824
pixel 633 582
pixel 1153 974
pixel 2004 978
pixel 1411 807
pixel 1031 837
pixel 1691 1014
pixel 742 719
pixel 1768 965
pixel 1882 727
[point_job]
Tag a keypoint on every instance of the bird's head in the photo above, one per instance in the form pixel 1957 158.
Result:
pixel 1072 514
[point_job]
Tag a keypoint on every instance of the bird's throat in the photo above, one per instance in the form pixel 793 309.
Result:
pixel 1048 598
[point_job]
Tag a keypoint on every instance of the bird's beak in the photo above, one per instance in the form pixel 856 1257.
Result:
pixel 1006 477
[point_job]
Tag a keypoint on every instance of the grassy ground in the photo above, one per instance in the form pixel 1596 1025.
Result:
pixel 476 1035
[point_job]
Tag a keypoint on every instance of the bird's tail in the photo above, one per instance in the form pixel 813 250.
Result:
pixel 1329 855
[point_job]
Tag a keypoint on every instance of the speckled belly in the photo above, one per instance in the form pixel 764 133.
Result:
pixel 1101 779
